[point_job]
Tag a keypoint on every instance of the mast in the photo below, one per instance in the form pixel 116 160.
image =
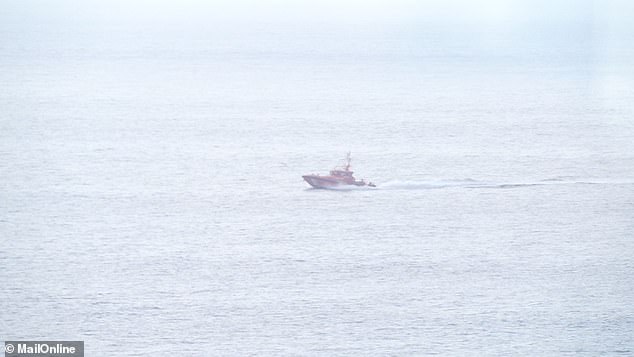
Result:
pixel 348 161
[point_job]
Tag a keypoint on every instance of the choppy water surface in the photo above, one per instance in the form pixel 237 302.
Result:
pixel 151 199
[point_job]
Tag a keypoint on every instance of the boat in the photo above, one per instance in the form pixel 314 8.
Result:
pixel 340 177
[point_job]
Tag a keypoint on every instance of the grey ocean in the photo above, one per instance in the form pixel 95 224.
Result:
pixel 151 199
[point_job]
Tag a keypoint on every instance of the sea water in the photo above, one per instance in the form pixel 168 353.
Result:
pixel 151 199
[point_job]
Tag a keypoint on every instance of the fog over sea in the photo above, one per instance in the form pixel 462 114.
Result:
pixel 152 204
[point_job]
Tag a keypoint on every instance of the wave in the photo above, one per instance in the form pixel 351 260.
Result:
pixel 346 188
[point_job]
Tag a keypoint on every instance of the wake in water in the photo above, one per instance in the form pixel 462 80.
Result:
pixel 416 185
pixel 470 183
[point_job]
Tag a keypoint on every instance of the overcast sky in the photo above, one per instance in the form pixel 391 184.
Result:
pixel 483 11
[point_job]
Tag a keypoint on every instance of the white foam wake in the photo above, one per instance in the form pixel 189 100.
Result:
pixel 430 184
pixel 470 183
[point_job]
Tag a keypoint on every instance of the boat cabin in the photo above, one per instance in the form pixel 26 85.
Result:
pixel 341 173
